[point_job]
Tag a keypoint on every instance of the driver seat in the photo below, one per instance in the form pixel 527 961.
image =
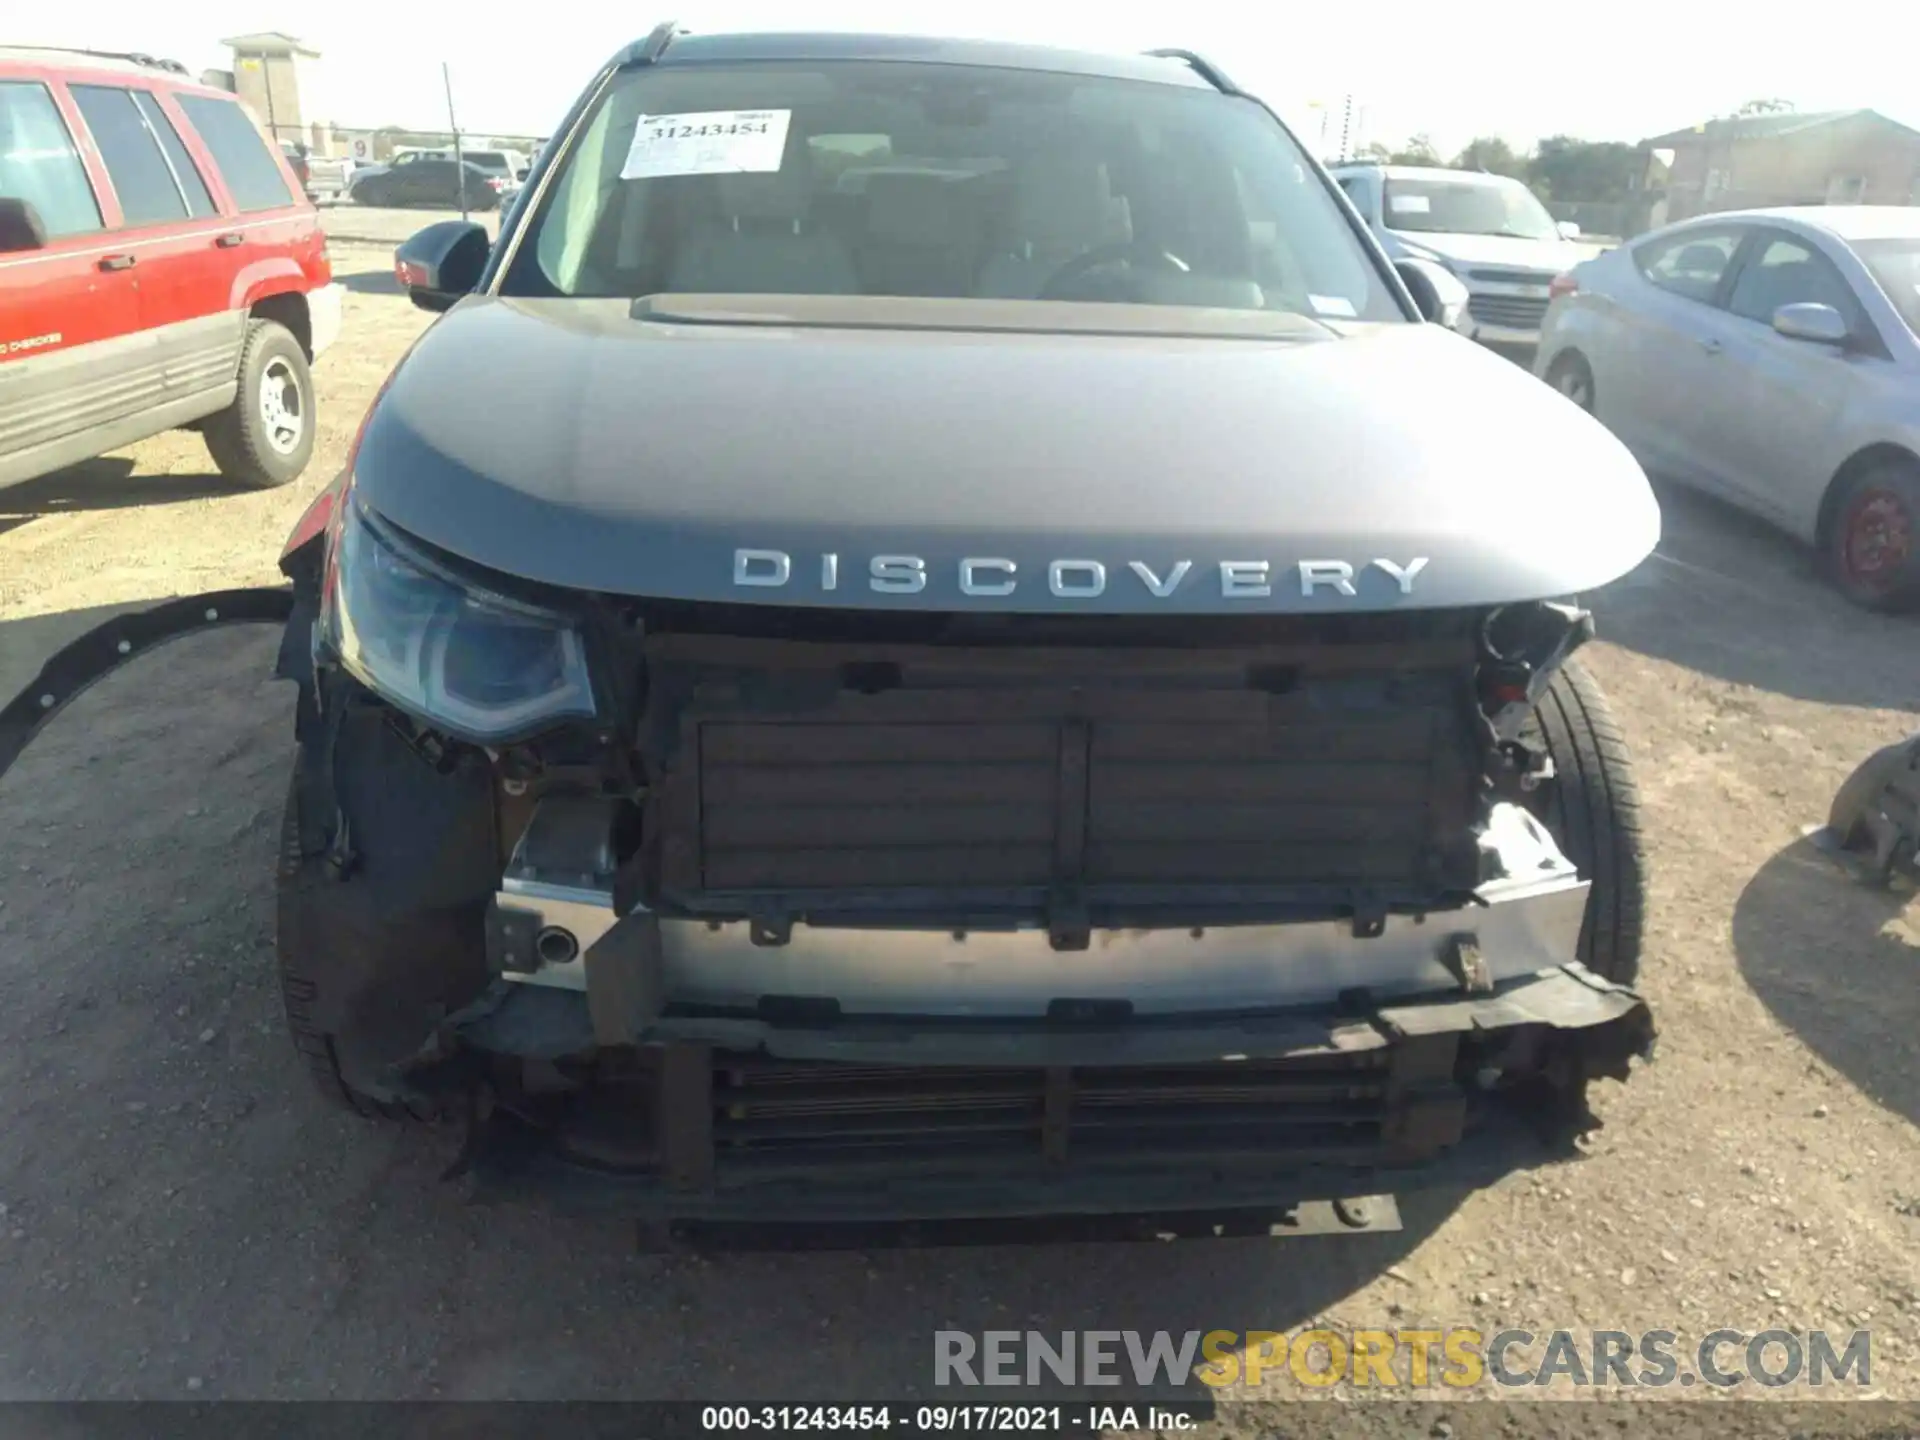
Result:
pixel 1063 207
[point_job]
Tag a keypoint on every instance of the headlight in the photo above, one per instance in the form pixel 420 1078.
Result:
pixel 476 664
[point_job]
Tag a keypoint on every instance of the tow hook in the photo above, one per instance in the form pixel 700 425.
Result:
pixel 108 646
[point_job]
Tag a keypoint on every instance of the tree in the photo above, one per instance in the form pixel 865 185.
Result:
pixel 1417 151
pixel 1764 107
pixel 1493 155
pixel 1564 168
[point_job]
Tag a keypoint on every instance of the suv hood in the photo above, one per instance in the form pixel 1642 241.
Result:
pixel 1116 462
pixel 1499 250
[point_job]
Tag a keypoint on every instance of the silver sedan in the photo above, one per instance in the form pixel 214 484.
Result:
pixel 1771 357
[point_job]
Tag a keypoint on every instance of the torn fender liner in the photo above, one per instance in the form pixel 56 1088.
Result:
pixel 106 647
pixel 1874 826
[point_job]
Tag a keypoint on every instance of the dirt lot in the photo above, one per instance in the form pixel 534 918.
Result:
pixel 179 1215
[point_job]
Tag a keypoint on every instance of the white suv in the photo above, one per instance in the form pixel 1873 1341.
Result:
pixel 1490 231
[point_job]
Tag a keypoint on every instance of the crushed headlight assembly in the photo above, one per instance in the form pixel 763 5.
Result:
pixel 477 664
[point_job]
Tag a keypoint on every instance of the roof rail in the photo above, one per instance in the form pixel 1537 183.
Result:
pixel 1203 67
pixel 645 52
pixel 133 57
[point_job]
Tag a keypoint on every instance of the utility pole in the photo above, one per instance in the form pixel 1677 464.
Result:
pixel 459 159
pixel 266 83
pixel 1346 127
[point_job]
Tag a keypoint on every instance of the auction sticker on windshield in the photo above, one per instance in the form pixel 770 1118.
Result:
pixel 713 142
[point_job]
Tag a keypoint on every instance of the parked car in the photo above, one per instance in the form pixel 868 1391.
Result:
pixel 1044 690
pixel 507 167
pixel 1771 357
pixel 1490 231
pixel 159 269
pixel 380 167
pixel 426 178
pixel 329 177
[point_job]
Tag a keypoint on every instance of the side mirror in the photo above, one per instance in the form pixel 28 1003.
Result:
pixel 522 174
pixel 1437 292
pixel 1818 324
pixel 1568 230
pixel 439 264
pixel 20 225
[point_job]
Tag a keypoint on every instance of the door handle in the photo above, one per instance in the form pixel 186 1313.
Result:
pixel 228 241
pixel 117 262
pixel 1712 347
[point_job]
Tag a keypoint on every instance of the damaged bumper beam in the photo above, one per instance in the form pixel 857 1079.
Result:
pixel 712 1118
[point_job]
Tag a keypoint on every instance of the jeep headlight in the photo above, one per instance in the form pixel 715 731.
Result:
pixel 480 665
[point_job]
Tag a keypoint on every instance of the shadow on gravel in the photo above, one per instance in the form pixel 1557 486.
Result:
pixel 1730 597
pixel 107 483
pixel 1839 965
pixel 371 282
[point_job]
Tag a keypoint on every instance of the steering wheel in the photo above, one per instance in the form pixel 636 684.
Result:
pixel 1130 251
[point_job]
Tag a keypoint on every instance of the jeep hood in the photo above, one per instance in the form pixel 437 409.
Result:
pixel 1122 459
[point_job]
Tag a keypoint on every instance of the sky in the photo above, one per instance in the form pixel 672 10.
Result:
pixel 1623 70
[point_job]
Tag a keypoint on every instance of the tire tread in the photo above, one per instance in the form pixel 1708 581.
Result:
pixel 1594 812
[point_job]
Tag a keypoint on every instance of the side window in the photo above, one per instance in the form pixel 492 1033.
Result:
pixel 185 174
pixel 135 164
pixel 1788 272
pixel 252 172
pixel 39 164
pixel 1690 264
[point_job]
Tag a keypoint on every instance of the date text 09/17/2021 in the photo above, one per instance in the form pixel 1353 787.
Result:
pixel 909 1419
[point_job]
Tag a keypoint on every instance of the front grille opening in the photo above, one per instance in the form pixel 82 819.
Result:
pixel 767 1111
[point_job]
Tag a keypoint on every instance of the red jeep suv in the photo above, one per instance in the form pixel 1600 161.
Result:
pixel 160 268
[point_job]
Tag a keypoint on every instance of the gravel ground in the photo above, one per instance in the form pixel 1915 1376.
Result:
pixel 180 1216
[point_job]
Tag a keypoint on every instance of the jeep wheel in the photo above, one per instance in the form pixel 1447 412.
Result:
pixel 1592 808
pixel 265 438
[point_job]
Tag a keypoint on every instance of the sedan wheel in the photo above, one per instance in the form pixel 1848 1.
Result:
pixel 1874 549
pixel 1571 377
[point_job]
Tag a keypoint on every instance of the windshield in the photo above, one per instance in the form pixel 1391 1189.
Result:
pixel 866 178
pixel 486 159
pixel 1895 263
pixel 1470 205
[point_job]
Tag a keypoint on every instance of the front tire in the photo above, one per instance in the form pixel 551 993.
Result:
pixel 1592 809
pixel 304 979
pixel 265 438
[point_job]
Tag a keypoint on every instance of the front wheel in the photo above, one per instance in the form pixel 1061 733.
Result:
pixel 1591 807
pixel 265 438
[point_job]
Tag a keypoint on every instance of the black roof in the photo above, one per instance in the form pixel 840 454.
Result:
pixel 680 49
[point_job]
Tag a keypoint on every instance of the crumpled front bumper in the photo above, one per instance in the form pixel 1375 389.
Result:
pixel 1477 1064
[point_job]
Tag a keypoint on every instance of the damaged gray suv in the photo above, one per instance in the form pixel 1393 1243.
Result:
pixel 932 635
